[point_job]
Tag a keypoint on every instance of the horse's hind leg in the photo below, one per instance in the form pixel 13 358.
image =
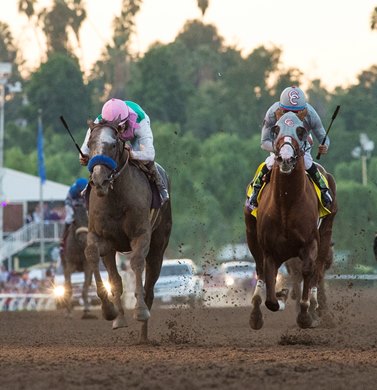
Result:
pixel 140 246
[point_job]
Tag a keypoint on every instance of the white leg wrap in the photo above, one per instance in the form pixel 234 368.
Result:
pixel 313 293
pixel 260 289
pixel 281 305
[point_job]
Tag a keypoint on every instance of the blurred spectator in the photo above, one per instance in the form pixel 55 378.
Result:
pixel 29 218
pixel 4 274
pixel 37 216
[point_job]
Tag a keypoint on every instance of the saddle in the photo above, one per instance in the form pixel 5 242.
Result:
pixel 150 173
pixel 323 211
pixel 146 169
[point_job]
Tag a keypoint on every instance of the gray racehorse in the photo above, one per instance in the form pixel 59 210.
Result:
pixel 121 218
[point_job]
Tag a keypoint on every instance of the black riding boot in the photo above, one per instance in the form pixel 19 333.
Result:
pixel 318 179
pixel 164 194
pixel 257 185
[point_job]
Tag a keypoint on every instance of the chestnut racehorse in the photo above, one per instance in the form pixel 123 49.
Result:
pixel 286 226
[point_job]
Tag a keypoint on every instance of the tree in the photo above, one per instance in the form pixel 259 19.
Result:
pixel 8 50
pixel 64 17
pixel 58 89
pixel 373 19
pixel 203 5
pixel 113 68
pixel 159 86
pixel 60 23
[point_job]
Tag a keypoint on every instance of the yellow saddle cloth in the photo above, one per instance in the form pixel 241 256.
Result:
pixel 323 211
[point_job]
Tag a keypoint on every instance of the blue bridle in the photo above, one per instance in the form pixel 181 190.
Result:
pixel 101 159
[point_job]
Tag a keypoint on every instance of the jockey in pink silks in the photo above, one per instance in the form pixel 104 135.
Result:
pixel 136 129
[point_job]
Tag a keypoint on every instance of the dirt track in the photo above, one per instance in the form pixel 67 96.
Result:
pixel 194 349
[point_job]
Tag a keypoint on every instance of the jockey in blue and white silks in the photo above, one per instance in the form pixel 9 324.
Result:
pixel 292 99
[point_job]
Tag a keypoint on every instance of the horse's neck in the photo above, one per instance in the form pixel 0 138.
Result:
pixel 287 188
pixel 130 182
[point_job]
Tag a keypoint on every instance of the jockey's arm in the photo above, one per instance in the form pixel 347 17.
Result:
pixel 318 130
pixel 269 121
pixel 142 145
pixel 84 147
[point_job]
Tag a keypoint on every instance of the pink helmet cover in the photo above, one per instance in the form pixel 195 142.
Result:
pixel 115 109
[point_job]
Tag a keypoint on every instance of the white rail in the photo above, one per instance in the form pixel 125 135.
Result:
pixel 28 235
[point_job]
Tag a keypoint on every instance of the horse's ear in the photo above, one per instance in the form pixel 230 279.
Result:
pixel 302 133
pixel 90 123
pixel 274 132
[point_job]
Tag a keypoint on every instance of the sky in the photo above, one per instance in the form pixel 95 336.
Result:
pixel 326 39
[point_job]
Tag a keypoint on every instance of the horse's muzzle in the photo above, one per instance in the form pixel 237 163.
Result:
pixel 100 180
pixel 286 165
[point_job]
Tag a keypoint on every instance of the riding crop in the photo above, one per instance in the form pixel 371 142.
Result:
pixel 327 132
pixel 66 126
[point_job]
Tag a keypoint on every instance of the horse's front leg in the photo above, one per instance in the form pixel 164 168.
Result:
pixel 140 248
pixel 256 317
pixel 313 306
pixel 67 299
pixel 93 256
pixel 116 289
pixel 273 302
pixel 85 289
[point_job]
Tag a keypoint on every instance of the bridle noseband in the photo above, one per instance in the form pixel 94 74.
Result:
pixel 297 152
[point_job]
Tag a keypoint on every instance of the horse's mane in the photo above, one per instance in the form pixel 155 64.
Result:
pixel 103 122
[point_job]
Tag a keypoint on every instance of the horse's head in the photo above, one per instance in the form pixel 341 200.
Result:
pixel 289 137
pixel 106 156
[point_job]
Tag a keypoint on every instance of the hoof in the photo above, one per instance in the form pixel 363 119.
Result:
pixel 315 323
pixel 314 315
pixel 119 322
pixel 141 314
pixel 273 306
pixel 304 320
pixel 109 312
pixel 256 318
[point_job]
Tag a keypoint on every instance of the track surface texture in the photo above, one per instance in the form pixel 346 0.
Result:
pixel 203 348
